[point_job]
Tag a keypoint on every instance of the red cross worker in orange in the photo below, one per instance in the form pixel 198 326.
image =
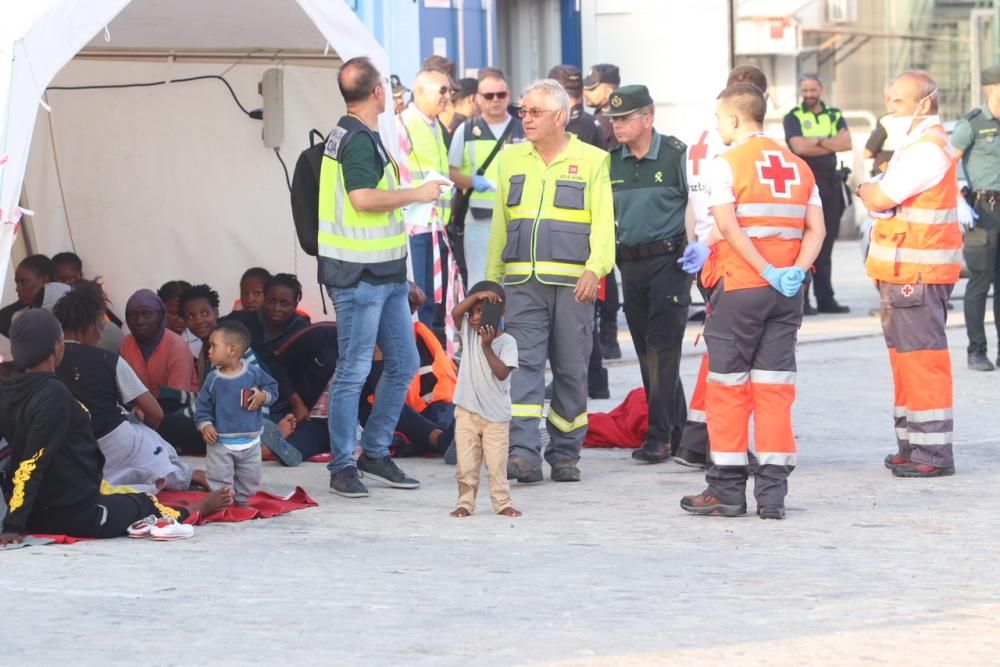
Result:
pixel 767 211
pixel 915 257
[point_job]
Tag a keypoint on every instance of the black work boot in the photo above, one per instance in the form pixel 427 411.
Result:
pixel 652 451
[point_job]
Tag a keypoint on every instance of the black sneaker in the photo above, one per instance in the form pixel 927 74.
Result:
pixel 771 512
pixel 346 483
pixel 690 459
pixel 386 471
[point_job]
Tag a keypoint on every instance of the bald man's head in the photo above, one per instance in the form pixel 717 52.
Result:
pixel 431 91
pixel 913 93
pixel 358 80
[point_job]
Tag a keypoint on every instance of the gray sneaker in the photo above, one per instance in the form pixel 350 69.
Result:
pixel 386 471
pixel 978 361
pixel 346 483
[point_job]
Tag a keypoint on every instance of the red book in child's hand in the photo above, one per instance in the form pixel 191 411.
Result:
pixel 245 397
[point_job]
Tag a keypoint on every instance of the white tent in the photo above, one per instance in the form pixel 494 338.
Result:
pixel 148 184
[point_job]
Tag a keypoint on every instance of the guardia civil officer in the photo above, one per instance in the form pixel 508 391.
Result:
pixel 976 139
pixel 552 241
pixel 816 133
pixel 648 178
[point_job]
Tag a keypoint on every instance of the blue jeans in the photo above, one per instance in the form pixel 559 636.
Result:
pixel 368 315
pixel 422 256
pixel 477 242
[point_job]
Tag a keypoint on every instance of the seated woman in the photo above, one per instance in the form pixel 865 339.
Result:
pixel 30 277
pixel 200 307
pixel 55 480
pixel 134 454
pixel 164 364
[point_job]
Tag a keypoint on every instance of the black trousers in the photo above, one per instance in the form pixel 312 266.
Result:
pixel 609 305
pixel 596 379
pixel 657 295
pixel 106 516
pixel 831 192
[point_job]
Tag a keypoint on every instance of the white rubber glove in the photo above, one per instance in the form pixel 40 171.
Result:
pixel 966 214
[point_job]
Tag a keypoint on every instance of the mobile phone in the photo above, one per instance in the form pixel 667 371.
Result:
pixel 245 397
pixel 492 312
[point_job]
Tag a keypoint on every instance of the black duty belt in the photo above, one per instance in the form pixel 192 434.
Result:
pixel 629 253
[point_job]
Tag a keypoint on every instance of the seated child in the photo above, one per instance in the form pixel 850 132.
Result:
pixel 228 414
pixel 252 289
pixel 170 294
pixel 482 399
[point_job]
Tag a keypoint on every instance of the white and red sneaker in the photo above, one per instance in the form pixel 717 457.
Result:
pixel 166 529
pixel 142 527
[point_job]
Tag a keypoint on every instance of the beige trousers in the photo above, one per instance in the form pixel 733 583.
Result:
pixel 478 440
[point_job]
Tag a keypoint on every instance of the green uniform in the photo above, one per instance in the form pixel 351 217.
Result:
pixel 977 135
pixel 651 192
pixel 651 198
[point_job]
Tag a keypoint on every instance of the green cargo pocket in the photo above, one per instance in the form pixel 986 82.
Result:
pixel 515 190
pixel 570 241
pixel 569 194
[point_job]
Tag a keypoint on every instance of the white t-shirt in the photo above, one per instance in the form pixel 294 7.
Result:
pixel 478 389
pixel 130 387
pixel 915 167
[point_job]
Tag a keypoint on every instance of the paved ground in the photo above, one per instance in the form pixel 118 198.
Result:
pixel 867 569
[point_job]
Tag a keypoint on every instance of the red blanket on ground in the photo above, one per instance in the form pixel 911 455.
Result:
pixel 625 426
pixel 263 505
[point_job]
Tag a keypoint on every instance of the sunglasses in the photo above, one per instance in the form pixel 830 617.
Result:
pixel 533 113
pixel 489 97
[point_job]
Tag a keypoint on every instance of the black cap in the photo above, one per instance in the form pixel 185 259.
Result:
pixel 34 334
pixel 569 77
pixel 627 99
pixel 990 76
pixel 603 73
pixel 466 88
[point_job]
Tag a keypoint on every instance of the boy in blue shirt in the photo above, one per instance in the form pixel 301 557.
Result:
pixel 228 412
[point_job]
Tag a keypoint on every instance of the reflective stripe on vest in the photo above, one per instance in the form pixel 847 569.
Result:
pixel 477 149
pixel 922 242
pixel 349 235
pixel 442 368
pixel 823 124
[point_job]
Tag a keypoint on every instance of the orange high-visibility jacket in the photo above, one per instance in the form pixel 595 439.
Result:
pixel 435 382
pixel 922 243
pixel 772 188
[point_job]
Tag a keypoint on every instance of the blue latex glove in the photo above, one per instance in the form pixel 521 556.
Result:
pixel 773 276
pixel 966 214
pixel 481 184
pixel 791 281
pixel 694 257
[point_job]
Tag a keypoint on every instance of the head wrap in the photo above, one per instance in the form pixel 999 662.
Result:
pixel 145 298
pixel 33 337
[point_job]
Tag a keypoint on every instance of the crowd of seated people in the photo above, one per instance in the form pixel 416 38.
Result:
pixel 138 377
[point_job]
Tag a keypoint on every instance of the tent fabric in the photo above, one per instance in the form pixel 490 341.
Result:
pixel 34 47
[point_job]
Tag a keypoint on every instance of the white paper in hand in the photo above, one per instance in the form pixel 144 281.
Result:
pixel 424 214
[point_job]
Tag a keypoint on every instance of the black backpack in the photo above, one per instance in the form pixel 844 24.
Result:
pixel 305 193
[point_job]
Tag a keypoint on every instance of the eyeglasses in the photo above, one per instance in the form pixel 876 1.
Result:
pixel 502 95
pixel 444 90
pixel 533 113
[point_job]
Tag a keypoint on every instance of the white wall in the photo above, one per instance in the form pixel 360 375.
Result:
pixel 172 182
pixel 678 48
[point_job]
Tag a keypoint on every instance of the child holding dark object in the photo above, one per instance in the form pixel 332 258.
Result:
pixel 228 414
pixel 482 399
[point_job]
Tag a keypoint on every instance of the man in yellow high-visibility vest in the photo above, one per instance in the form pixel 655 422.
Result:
pixel 552 241
pixel 362 263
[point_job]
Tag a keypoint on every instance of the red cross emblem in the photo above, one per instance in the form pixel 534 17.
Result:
pixel 573 169
pixel 777 174
pixel 698 152
pixel 907 290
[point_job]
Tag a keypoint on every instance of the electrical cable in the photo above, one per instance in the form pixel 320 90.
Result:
pixel 288 181
pixel 149 84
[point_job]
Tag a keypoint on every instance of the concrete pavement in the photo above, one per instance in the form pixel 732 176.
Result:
pixel 867 569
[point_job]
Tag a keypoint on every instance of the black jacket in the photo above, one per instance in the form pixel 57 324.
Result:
pixel 266 347
pixel 55 461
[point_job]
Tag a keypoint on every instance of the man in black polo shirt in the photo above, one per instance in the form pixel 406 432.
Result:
pixel 648 178
pixel 816 133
